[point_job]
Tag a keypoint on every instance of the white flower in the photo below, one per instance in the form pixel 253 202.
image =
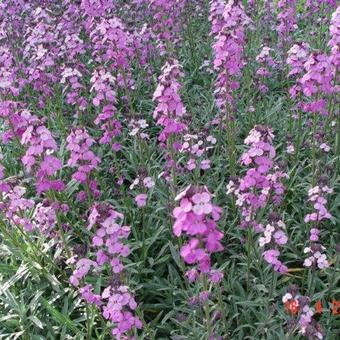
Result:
pixel 262 241
pixel 325 147
pixel 308 262
pixel 148 182
pixel 134 183
pixel 286 297
pixel 290 149
pixel 230 187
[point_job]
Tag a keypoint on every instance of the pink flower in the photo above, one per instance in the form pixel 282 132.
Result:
pixel 196 216
pixel 215 276
pixel 170 107
pixel 202 203
pixel 141 200
pixel 280 237
pixel 192 275
pixel 205 164
pixel 116 265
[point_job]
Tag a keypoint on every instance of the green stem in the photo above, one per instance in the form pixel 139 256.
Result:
pixel 127 92
pixel 231 144
pixel 52 197
pixel 311 280
pixel 314 160
pixel 337 143
pixel 173 169
pixel 333 279
pixel 330 288
pixel 191 40
pixel 207 307
pixel 298 137
pixel 144 249
pixel 222 310
pixel 272 284
pixel 88 321
pixel 249 240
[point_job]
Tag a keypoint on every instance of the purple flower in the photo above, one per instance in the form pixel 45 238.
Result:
pixel 196 216
pixel 141 200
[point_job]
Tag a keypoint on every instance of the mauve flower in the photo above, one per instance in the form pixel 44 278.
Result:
pixel 202 203
pixel 204 296
pixel 115 301
pixel 280 237
pixel 170 107
pixel 287 21
pixel 196 216
pixel 205 164
pixel 192 275
pixel 215 276
pixel 228 28
pixel 141 200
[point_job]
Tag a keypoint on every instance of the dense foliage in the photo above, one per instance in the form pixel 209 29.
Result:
pixel 169 169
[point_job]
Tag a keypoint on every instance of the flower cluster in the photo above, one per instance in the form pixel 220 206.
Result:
pixel 264 71
pixel 314 7
pixel 4 187
pixel 102 84
pixel 274 236
pixel 169 107
pixel 18 210
pixel 12 24
pixel 334 43
pixel 119 308
pixel 286 21
pixel 262 182
pixel 317 259
pixel 334 28
pixel 297 56
pixel 316 195
pixel 197 148
pixel 216 16
pixel 196 216
pixel 42 144
pixel 115 302
pixel 228 50
pixel 8 72
pixel 143 47
pixel 38 142
pixel 38 139
pixel 39 54
pixel 318 75
pixel 137 128
pixel 71 77
pixel 167 23
pixel 79 143
pixel 112 45
pixel 146 184
pixel 268 20
pixel 45 218
pixel 299 305
pixel 14 205
pixel 316 83
pixel 95 8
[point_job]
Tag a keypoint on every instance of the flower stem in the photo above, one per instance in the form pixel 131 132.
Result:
pixel 206 307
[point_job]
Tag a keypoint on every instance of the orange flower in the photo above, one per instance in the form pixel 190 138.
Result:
pixel 292 306
pixel 318 307
pixel 335 307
